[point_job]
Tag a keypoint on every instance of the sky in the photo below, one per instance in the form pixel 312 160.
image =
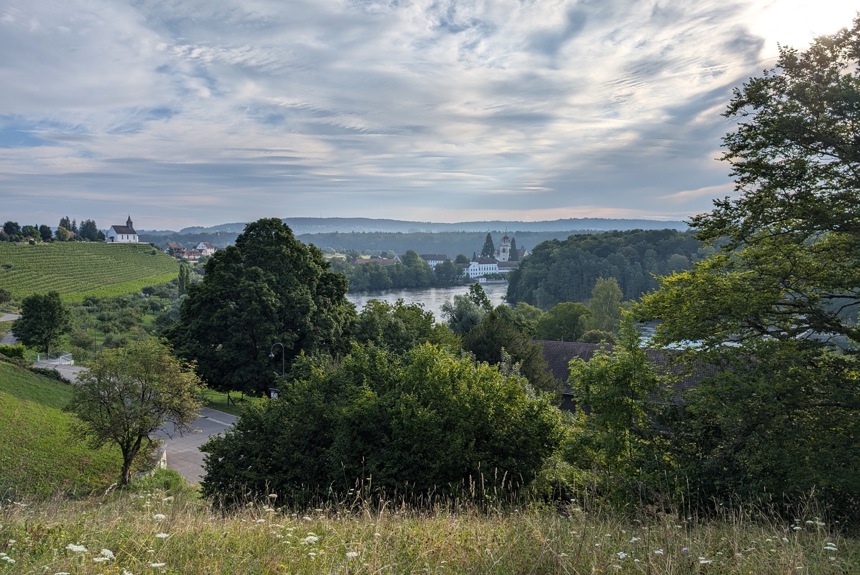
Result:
pixel 202 112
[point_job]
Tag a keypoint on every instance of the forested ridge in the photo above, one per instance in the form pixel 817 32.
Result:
pixel 566 270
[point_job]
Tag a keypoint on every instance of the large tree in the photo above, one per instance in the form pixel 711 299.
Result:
pixel 44 318
pixel 778 410
pixel 127 394
pixel 267 289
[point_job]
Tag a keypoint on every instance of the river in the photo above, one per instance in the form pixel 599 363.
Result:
pixel 431 298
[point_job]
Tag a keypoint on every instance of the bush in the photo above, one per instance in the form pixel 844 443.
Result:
pixel 13 351
pixel 423 424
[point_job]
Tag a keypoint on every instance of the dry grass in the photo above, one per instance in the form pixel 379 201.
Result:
pixel 152 532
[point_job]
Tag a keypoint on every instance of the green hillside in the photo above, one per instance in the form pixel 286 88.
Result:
pixel 80 269
pixel 39 456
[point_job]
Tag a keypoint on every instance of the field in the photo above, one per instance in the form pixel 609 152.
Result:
pixel 80 269
pixel 38 454
pixel 147 530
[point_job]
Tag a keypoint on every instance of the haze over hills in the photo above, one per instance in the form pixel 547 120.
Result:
pixel 349 225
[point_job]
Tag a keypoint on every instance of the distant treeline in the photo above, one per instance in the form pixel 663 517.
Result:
pixel 559 271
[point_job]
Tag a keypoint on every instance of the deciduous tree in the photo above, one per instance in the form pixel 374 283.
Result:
pixel 268 288
pixel 44 318
pixel 774 308
pixel 127 394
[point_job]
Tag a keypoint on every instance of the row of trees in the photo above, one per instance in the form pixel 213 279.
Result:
pixel 66 230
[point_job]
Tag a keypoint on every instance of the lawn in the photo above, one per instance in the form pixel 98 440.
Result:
pixel 39 455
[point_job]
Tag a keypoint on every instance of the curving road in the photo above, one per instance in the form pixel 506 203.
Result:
pixel 183 452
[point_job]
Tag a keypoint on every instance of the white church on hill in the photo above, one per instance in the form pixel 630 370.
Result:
pixel 122 234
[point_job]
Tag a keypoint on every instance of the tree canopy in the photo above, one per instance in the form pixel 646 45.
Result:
pixel 127 394
pixel 269 288
pixel 773 311
pixel 44 318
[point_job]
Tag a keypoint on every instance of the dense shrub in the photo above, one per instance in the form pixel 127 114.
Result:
pixel 425 423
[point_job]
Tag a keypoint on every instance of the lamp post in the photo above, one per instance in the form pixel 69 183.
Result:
pixel 272 355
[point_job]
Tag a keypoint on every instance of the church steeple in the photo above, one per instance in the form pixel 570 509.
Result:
pixel 128 222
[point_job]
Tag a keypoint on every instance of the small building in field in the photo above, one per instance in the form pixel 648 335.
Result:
pixel 122 234
pixel 434 260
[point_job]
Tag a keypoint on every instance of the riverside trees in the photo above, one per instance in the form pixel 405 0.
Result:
pixel 269 288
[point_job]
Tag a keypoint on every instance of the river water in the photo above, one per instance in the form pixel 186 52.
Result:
pixel 431 298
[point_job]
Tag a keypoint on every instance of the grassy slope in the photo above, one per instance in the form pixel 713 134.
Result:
pixel 151 533
pixel 38 454
pixel 79 269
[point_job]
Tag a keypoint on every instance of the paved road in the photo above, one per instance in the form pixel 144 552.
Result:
pixel 8 339
pixel 183 453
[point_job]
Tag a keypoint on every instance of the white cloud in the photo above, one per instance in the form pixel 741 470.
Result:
pixel 239 110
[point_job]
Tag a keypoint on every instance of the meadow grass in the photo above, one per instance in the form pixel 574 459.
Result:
pixel 234 405
pixel 154 531
pixel 39 455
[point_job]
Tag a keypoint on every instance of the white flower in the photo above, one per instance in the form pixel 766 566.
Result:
pixel 7 559
pixel 127 572
pixel 621 554
pixel 830 547
pixel 76 548
pixel 658 552
pixel 100 559
pixel 159 516
pixel 703 561
pixel 351 554
pixel 157 564
pixel 310 539
pixel 106 553
pixel 162 535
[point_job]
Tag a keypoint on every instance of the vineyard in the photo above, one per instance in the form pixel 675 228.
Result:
pixel 80 269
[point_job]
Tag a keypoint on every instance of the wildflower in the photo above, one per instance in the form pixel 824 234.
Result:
pixel 658 552
pixel 621 554
pixel 351 554
pixel 310 539
pixel 684 550
pixel 127 572
pixel 6 558
pixel 157 564
pixel 162 535
pixel 797 528
pixel 106 553
pixel 634 540
pixel 273 495
pixel 76 548
pixel 159 517
pixel 830 547
pixel 703 561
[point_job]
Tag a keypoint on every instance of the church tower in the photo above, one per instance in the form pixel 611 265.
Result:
pixel 504 253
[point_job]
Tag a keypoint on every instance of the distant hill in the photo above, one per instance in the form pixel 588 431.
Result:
pixel 80 269
pixel 363 225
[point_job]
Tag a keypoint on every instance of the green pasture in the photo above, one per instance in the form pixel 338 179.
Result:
pixel 39 455
pixel 80 269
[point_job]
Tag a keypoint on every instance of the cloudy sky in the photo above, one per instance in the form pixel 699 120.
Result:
pixel 200 112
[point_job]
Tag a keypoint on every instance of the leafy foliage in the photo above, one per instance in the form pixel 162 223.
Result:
pixel 424 423
pixel 269 288
pixel 774 310
pixel 127 394
pixel 43 320
pixel 563 322
pixel 399 327
pixel 561 271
